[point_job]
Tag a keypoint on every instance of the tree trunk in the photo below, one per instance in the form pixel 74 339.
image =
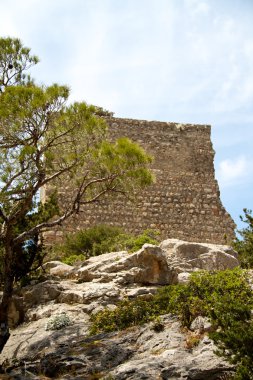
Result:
pixel 8 280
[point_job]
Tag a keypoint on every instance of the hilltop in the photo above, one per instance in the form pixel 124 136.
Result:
pixel 51 319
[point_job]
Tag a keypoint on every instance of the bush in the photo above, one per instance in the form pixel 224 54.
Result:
pixel 100 239
pixel 244 246
pixel 235 343
pixel 127 314
pixel 73 259
pixel 224 297
pixel 221 296
pixel 92 241
pixel 133 243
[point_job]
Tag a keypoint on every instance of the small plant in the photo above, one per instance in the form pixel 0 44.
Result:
pixel 89 242
pixel 192 340
pixel 58 322
pixel 128 313
pixel 73 259
pixel 133 243
pixel 157 325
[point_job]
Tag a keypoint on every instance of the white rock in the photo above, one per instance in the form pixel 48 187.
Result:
pixel 201 325
pixel 104 280
pixel 188 257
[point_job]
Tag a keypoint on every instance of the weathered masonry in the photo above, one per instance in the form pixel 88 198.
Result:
pixel 184 202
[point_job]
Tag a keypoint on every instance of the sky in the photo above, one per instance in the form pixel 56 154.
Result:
pixel 187 61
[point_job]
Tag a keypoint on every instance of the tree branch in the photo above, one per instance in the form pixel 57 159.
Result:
pixel 18 174
pixel 74 208
pixel 3 215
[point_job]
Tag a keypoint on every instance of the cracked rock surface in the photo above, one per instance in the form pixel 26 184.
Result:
pixel 33 352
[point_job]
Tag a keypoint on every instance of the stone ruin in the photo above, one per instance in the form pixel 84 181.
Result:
pixel 184 202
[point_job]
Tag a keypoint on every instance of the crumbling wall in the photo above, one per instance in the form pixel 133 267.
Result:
pixel 184 202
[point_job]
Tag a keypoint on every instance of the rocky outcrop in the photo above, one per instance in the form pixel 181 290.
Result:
pixel 136 353
pixel 188 257
pixel 147 266
pixel 133 354
pixel 156 265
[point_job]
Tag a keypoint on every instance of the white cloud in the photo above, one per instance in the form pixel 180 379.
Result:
pixel 233 171
pixel 198 6
pixel 190 56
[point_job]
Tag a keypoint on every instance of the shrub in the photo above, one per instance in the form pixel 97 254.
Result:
pixel 128 313
pixel 157 324
pixel 100 239
pixel 134 243
pixel 90 242
pixel 244 246
pixel 221 296
pixel 73 259
pixel 235 342
pixel 224 297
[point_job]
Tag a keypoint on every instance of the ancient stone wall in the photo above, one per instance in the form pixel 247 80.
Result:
pixel 184 202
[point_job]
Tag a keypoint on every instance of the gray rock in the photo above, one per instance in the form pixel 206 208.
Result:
pixel 201 325
pixel 136 353
pixel 41 293
pixel 188 257
pixel 58 269
pixel 169 263
pixel 147 266
pixel 183 277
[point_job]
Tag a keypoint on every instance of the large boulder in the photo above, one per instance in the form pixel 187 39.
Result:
pixel 186 257
pixel 147 266
pixel 105 279
pixel 169 263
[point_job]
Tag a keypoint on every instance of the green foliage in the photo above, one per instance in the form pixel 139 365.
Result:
pixel 14 60
pixel 127 314
pixel 235 342
pixel 157 324
pixel 127 160
pixel 224 297
pixel 221 296
pixel 73 259
pixel 100 239
pixel 45 141
pixel 134 243
pixel 244 246
pixel 100 111
pixel 90 242
pixel 206 294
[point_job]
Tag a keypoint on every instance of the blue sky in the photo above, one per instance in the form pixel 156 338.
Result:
pixel 171 60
